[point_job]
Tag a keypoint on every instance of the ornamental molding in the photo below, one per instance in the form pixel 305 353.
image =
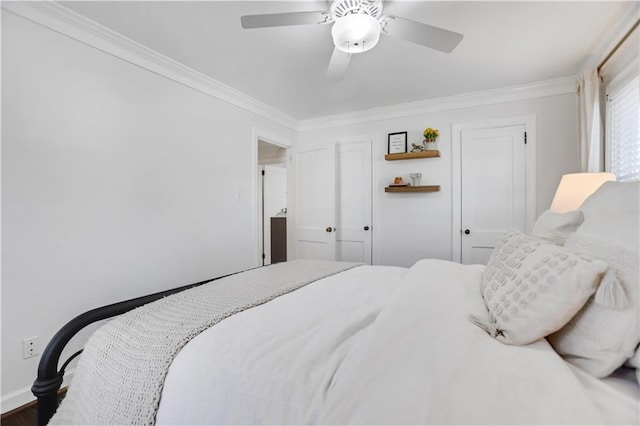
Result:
pixel 67 22
pixel 560 86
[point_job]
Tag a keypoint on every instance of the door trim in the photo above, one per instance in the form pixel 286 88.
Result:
pixel 258 134
pixel 529 122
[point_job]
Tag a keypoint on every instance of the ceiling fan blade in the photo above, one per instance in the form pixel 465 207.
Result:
pixel 423 34
pixel 338 64
pixel 284 19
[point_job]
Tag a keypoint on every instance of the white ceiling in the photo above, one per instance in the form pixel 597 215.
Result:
pixel 505 44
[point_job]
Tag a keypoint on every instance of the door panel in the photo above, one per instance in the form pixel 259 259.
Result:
pixel 493 194
pixel 315 204
pixel 353 207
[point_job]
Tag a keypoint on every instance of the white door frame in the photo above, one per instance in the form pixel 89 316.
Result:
pixel 529 121
pixel 256 191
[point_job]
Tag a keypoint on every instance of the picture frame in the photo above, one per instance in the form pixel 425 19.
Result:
pixel 397 143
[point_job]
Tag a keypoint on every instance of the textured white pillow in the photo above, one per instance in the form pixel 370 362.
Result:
pixel 606 332
pixel 532 287
pixel 556 227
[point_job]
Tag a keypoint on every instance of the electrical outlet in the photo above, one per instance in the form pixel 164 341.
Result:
pixel 30 347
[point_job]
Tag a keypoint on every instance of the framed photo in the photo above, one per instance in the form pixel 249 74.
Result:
pixel 398 143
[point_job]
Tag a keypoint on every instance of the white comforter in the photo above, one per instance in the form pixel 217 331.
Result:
pixel 372 345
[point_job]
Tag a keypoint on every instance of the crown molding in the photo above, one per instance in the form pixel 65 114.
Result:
pixel 540 89
pixel 69 23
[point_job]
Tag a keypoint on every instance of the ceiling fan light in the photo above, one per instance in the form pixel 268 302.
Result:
pixel 356 33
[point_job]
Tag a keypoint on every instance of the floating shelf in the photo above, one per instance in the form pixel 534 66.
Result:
pixel 428 188
pixel 411 155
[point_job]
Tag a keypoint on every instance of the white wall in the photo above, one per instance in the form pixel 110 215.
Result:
pixel 115 184
pixel 408 227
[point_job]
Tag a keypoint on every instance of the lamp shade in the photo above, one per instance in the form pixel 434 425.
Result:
pixel 356 33
pixel 574 188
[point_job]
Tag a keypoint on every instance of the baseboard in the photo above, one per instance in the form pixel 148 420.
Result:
pixel 16 411
pixel 23 398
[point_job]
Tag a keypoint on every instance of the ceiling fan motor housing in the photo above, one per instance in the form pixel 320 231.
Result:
pixel 342 8
pixel 356 28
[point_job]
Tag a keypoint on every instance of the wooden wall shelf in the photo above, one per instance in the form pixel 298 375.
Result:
pixel 428 188
pixel 411 155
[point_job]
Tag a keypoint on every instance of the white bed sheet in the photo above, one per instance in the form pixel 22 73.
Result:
pixel 617 397
pixel 372 345
pixel 433 366
pixel 270 364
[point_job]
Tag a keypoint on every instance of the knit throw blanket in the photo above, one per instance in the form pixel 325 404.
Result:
pixel 121 372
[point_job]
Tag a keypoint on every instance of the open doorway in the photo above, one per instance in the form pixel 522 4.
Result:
pixel 272 175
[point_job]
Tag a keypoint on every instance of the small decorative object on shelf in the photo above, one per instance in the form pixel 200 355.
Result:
pixel 415 178
pixel 397 143
pixel 417 148
pixel 430 138
pixel 398 182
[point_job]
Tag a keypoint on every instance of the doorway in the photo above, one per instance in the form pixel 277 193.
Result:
pixel 272 202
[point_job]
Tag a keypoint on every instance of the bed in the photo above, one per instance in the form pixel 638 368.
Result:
pixel 430 344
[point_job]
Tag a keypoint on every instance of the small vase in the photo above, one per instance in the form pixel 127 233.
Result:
pixel 430 144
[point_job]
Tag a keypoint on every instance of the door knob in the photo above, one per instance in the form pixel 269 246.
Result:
pixel 330 229
pixel 366 228
pixel 466 231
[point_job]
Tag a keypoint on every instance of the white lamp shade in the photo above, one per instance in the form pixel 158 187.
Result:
pixel 356 33
pixel 574 188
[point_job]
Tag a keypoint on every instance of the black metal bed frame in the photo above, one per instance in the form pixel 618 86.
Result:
pixel 49 380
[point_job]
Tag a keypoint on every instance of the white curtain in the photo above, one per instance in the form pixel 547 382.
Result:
pixel 590 122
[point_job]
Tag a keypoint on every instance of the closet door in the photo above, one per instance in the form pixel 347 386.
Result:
pixel 314 214
pixel 332 217
pixel 493 188
pixel 353 202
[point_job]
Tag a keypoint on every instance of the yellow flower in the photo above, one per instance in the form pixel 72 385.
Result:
pixel 430 133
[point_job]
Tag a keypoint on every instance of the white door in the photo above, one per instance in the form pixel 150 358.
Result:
pixel 315 204
pixel 493 188
pixel 353 202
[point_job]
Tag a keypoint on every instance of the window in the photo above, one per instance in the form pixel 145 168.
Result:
pixel 623 128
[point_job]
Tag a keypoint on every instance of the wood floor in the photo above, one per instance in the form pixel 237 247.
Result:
pixel 27 415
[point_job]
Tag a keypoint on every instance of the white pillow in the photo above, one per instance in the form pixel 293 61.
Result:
pixel 532 287
pixel 556 227
pixel 606 332
pixel 612 213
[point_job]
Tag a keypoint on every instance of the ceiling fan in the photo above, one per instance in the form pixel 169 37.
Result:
pixel 357 25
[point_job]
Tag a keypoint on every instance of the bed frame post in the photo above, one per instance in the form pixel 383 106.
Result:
pixel 47 393
pixel 49 380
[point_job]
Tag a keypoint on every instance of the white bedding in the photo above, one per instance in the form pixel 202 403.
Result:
pixel 372 345
pixel 270 364
pixel 617 397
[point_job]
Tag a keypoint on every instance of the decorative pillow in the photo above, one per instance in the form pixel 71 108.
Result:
pixel 532 287
pixel 606 332
pixel 556 227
